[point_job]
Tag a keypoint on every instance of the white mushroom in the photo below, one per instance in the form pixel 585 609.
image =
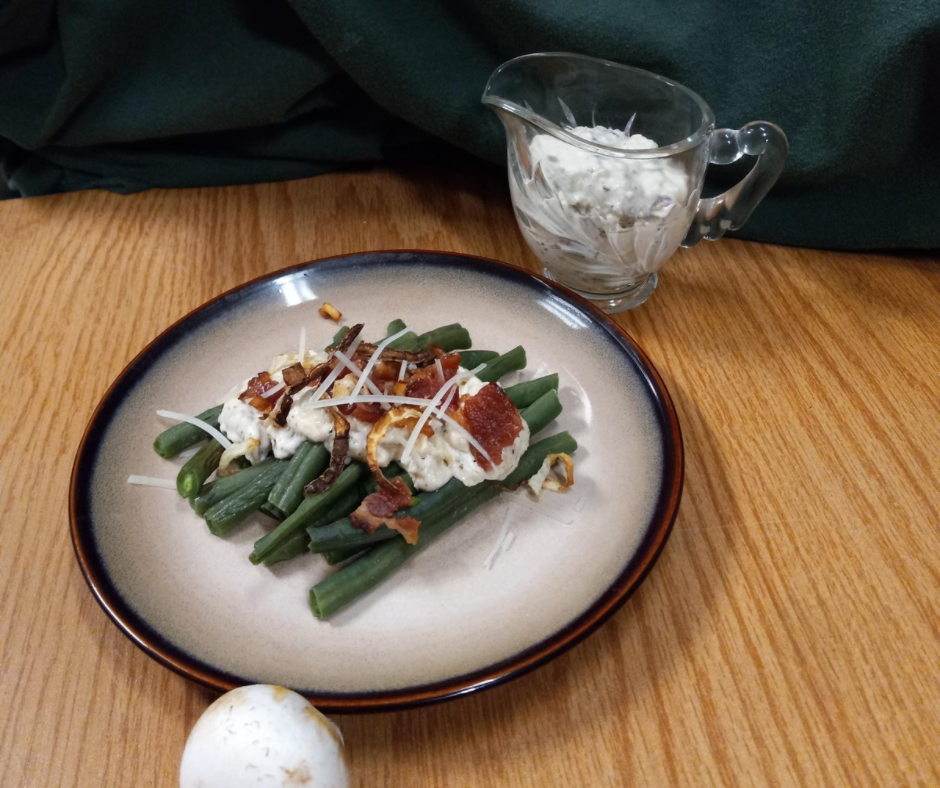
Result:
pixel 263 736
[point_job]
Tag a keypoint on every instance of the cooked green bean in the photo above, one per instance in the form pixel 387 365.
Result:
pixel 395 326
pixel 298 543
pixel 338 336
pixel 308 511
pixel 198 468
pixel 510 361
pixel 343 534
pixel 525 393
pixel 471 359
pixel 270 511
pixel 181 436
pixel 366 572
pixel 306 465
pixel 222 488
pixel 447 338
pixel 229 512
pixel 334 557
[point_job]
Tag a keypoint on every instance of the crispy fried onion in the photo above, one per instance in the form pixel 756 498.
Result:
pixel 379 509
pixel 337 458
pixel 314 376
pixel 402 416
pixel 420 358
pixel 543 480
pixel 233 452
pixel 330 312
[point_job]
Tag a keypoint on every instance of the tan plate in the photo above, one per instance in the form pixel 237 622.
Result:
pixel 444 625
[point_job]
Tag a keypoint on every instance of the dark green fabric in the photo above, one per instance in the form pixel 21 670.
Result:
pixel 129 95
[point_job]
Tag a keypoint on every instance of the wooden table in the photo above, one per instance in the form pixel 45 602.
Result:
pixel 789 635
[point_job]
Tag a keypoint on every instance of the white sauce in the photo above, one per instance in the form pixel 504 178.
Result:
pixel 432 463
pixel 601 223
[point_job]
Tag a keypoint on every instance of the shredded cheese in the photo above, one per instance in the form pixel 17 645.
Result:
pixel 507 542
pixel 501 537
pixel 151 481
pixel 356 371
pixel 302 346
pixel 440 369
pixel 331 378
pixel 401 372
pixel 375 357
pixel 272 391
pixel 169 414
pixel 457 427
pixel 434 404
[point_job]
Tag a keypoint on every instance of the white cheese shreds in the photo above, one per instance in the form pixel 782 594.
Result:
pixel 169 414
pixel 545 511
pixel 402 371
pixel 272 391
pixel 507 542
pixel 440 369
pixel 359 374
pixel 375 357
pixel 435 403
pixel 456 426
pixel 151 481
pixel 582 502
pixel 331 378
pixel 500 538
pixel 190 452
pixel 302 345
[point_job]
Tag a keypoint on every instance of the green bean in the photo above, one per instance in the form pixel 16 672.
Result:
pixel 308 511
pixel 270 511
pixel 198 468
pixel 338 336
pixel 298 543
pixel 395 326
pixel 229 512
pixel 334 557
pixel 306 465
pixel 343 534
pixel 222 488
pixel 370 569
pixel 181 436
pixel 510 361
pixel 471 359
pixel 447 338
pixel 525 393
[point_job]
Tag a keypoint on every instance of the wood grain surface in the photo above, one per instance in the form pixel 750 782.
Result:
pixel 789 635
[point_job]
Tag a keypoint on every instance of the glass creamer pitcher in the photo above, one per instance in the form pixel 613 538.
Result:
pixel 606 164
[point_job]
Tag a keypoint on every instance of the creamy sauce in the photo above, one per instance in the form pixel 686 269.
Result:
pixel 601 223
pixel 433 461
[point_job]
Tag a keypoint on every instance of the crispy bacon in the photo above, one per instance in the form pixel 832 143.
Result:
pixel 379 509
pixel 491 418
pixel 256 390
pixel 337 458
pixel 424 383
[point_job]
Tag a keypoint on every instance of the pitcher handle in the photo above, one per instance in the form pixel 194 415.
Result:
pixel 731 209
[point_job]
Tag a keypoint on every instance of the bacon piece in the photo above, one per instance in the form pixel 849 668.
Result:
pixel 330 312
pixel 379 507
pixel 424 383
pixel 337 458
pixel 255 392
pixel 491 418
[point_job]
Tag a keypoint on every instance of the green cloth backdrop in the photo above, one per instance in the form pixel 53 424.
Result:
pixel 129 95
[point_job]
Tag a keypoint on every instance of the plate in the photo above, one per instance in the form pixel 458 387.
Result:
pixel 445 625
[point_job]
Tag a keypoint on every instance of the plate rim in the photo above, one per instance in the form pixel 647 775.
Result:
pixel 650 547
